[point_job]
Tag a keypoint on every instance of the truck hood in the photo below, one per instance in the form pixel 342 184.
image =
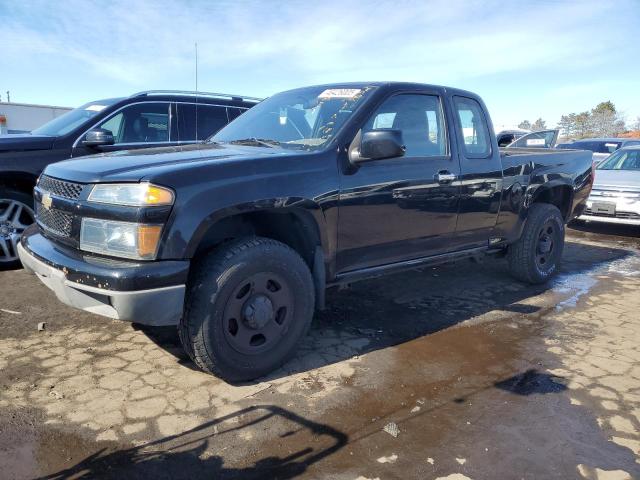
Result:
pixel 136 165
pixel 21 142
pixel 617 178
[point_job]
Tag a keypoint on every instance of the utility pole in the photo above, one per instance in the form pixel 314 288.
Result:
pixel 8 97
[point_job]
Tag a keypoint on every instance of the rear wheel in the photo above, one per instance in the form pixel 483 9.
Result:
pixel 248 305
pixel 535 257
pixel 16 214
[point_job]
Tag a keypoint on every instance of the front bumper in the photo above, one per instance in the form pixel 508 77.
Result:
pixel 617 209
pixel 149 293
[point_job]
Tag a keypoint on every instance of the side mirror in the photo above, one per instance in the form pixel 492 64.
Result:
pixel 379 144
pixel 98 137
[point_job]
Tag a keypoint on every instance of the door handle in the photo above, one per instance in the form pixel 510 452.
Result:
pixel 445 176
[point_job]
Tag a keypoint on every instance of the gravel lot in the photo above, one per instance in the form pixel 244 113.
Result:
pixel 452 372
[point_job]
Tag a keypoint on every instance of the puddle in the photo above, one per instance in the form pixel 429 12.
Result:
pixel 579 284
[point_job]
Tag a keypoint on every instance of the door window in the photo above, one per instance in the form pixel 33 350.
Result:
pixel 114 125
pixel 140 123
pixel 473 126
pixel 419 118
pixel 209 120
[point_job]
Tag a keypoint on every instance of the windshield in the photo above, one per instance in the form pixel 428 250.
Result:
pixel 622 160
pixel 70 120
pixel 306 118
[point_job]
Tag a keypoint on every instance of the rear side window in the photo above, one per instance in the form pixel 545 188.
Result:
pixel 210 119
pixel 474 128
pixel 419 118
pixel 233 112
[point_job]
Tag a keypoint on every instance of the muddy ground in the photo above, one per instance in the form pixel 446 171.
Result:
pixel 451 372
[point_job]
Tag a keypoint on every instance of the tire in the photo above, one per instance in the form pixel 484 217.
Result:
pixel 248 304
pixel 16 214
pixel 536 256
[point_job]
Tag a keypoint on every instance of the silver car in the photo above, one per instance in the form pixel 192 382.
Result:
pixel 615 196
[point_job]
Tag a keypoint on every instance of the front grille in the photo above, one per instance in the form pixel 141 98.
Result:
pixel 54 221
pixel 60 188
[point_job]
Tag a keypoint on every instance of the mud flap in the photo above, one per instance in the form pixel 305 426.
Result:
pixel 319 278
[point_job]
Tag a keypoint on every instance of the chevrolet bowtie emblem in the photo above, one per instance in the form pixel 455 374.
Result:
pixel 46 201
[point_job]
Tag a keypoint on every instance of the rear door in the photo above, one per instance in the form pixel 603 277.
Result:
pixel 480 177
pixel 139 125
pixel 197 122
pixel 401 208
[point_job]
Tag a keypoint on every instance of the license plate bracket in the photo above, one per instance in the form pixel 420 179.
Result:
pixel 606 208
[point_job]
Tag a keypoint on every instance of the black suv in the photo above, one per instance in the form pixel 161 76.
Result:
pixel 154 118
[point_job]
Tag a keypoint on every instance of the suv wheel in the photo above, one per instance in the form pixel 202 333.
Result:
pixel 535 257
pixel 248 305
pixel 16 214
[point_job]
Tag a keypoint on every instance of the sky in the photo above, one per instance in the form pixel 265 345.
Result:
pixel 527 59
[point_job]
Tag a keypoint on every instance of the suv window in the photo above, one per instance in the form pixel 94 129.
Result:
pixel 420 119
pixel 211 118
pixel 114 125
pixel 140 123
pixel 596 146
pixel 473 126
pixel 234 112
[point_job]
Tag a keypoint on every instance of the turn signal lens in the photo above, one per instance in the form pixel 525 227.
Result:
pixel 158 195
pixel 148 238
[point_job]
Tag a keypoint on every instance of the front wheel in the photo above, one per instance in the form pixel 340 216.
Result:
pixel 248 305
pixel 16 214
pixel 535 257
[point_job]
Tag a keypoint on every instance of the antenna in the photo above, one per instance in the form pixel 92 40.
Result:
pixel 197 139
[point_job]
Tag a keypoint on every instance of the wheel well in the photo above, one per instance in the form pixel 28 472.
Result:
pixel 23 182
pixel 296 229
pixel 560 196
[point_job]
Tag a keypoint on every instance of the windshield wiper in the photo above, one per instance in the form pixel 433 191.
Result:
pixel 263 142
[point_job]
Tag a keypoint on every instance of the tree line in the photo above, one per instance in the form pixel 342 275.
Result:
pixel 601 121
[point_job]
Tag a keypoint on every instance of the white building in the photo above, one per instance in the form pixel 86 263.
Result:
pixel 24 117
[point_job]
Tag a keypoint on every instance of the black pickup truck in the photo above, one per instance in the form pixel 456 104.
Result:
pixel 236 240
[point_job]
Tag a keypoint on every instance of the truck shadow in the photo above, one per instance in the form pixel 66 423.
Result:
pixel 387 311
pixel 287 445
pixel 609 229
pixel 195 453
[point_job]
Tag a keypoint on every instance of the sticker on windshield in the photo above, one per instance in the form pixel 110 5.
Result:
pixel 340 93
pixel 535 141
pixel 613 145
pixel 96 108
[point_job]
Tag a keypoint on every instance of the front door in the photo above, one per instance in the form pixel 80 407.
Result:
pixel 139 125
pixel 400 208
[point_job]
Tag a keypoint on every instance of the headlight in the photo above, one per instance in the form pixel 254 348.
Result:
pixel 120 239
pixel 131 194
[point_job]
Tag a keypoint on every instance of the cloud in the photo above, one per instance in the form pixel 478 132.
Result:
pixel 292 42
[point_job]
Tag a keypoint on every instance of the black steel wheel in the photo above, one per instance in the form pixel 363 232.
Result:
pixel 535 257
pixel 545 253
pixel 248 305
pixel 257 313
